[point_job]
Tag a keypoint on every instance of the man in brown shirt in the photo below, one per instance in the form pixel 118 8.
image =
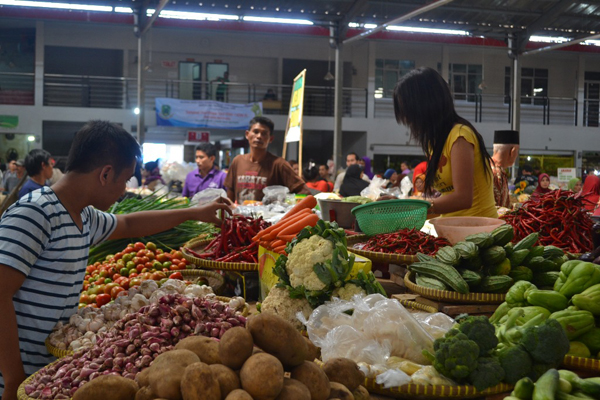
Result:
pixel 250 173
pixel 506 150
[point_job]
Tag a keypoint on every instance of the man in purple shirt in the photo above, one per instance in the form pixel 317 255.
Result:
pixel 207 175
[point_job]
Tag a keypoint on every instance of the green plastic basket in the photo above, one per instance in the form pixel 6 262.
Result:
pixel 391 215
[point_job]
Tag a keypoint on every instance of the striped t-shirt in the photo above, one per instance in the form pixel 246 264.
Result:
pixel 39 238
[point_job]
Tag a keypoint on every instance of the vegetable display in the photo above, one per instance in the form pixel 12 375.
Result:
pixel 560 219
pixel 553 384
pixel 406 241
pixel 234 243
pixel 167 240
pixel 489 263
pixel 134 342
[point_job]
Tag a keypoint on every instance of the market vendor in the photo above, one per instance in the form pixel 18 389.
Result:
pixel 506 150
pixel 353 183
pixel 151 176
pixel 459 165
pixel 207 175
pixel 542 187
pixel 250 173
pixel 45 239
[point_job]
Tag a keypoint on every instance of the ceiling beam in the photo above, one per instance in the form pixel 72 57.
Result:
pixel 560 45
pixel 148 23
pixel 359 6
pixel 398 20
pixel 542 22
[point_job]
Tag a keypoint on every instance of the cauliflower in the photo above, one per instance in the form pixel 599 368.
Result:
pixel 302 259
pixel 347 291
pixel 280 303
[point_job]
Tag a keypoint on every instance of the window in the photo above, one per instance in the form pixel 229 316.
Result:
pixel 591 108
pixel 534 83
pixel 387 74
pixel 465 80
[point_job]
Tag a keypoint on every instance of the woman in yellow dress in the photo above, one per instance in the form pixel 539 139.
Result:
pixel 459 165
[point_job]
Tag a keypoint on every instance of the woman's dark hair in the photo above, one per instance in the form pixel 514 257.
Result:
pixel 35 160
pixel 311 172
pixel 100 143
pixel 423 102
pixel 353 171
pixel 150 166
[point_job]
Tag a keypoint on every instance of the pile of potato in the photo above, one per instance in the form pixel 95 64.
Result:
pixel 280 367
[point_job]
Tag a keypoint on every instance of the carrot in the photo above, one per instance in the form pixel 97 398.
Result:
pixel 278 243
pixel 286 238
pixel 278 225
pixel 308 202
pixel 299 225
pixel 280 249
pixel 283 224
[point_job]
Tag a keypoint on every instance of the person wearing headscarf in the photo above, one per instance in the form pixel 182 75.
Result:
pixel 368 172
pixel 151 175
pixel 542 187
pixel 392 176
pixel 418 184
pixel 575 185
pixel 353 184
pixel 591 191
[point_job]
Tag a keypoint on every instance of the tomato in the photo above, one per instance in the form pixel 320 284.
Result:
pixel 139 268
pixel 176 275
pixel 177 254
pixel 140 253
pixel 174 267
pixel 156 265
pixel 144 270
pixel 124 272
pixel 115 277
pixel 151 246
pixel 163 280
pixel 132 274
pixel 82 305
pixel 109 287
pixel 161 257
pixel 151 256
pixel 159 251
pixel 85 298
pixel 86 286
pixel 90 268
pixel 182 265
pixel 135 282
pixel 108 280
pixel 139 246
pixel 103 273
pixel 129 250
pixel 103 299
pixel 118 256
pixel 167 264
pixel 100 281
pixel 157 276
pixel 144 260
pixel 115 291
pixel 120 264
pixel 125 283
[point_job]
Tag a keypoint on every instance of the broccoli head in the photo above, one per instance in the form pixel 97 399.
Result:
pixel 488 373
pixel 481 331
pixel 547 343
pixel 516 363
pixel 455 355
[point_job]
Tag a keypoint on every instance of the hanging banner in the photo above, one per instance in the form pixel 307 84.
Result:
pixel 294 127
pixel 205 113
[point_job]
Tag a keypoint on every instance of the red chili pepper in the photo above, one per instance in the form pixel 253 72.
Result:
pixel 407 242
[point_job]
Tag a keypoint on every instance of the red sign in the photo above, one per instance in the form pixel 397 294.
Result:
pixel 169 64
pixel 198 136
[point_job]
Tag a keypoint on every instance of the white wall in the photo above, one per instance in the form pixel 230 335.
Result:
pixel 256 58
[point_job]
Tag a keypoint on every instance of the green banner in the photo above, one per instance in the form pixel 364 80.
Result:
pixel 9 121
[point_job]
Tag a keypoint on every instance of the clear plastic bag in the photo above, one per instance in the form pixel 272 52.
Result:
pixel 275 194
pixel 436 324
pixel 392 378
pixel 207 196
pixel 375 188
pixel 405 187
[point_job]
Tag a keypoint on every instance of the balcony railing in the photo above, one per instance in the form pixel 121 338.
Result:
pixel 121 93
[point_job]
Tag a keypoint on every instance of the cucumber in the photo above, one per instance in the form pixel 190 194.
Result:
pixel 430 283
pixel 445 273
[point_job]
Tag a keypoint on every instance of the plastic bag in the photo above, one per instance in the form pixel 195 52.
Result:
pixel 392 378
pixel 275 194
pixel 373 191
pixel 436 324
pixel 207 196
pixel 405 187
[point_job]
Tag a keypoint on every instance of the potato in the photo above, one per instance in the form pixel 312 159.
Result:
pixel 278 337
pixel 293 390
pixel 235 347
pixel 143 378
pixel 340 391
pixel 145 394
pixel 198 383
pixel 205 348
pixel 344 371
pixel 107 386
pixel 238 394
pixel 166 372
pixel 312 351
pixel 361 393
pixel 228 379
pixel 314 379
pixel 262 376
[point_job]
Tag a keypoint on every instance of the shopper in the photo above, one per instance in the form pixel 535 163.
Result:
pixel 591 191
pixel 324 174
pixel 207 175
pixel 10 179
pixel 459 164
pixel 392 176
pixel 151 176
pixel 506 150
pixel 543 186
pixel 367 167
pixel 404 168
pixel 575 185
pixel 527 176
pixel 56 173
pixel 419 185
pixel 313 179
pixel 39 169
pixel 45 240
pixel 295 166
pixel 250 173
pixel 353 183
pixel 351 159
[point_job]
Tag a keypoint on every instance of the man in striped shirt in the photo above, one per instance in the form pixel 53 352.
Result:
pixel 45 239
